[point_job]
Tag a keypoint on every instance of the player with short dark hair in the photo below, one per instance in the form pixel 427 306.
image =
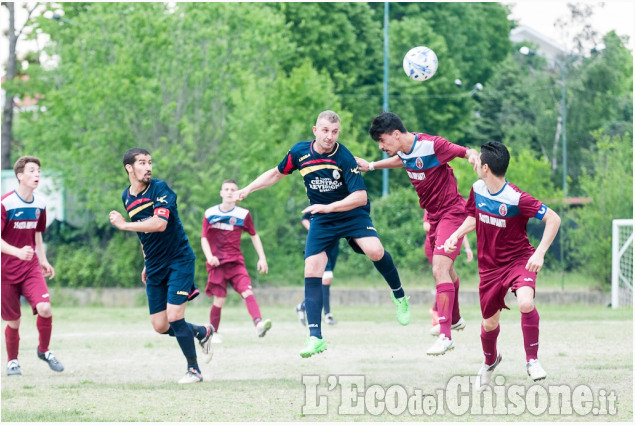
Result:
pixel 24 264
pixel 169 260
pixel 426 160
pixel 220 239
pixel 499 212
pixel 340 209
pixel 327 279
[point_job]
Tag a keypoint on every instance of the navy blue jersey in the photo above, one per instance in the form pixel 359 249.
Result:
pixel 160 248
pixel 328 177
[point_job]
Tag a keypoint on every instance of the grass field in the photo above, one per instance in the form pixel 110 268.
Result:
pixel 118 369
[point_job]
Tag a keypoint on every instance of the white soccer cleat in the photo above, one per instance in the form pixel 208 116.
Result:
pixel 217 338
pixel 301 312
pixel 485 373
pixel 442 345
pixel 262 327
pixel 458 326
pixel 191 377
pixel 535 371
pixel 13 368
pixel 206 344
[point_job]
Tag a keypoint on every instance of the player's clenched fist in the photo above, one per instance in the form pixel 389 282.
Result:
pixel 116 219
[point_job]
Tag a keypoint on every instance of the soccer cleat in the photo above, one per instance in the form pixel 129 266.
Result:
pixel 329 319
pixel 301 312
pixel 314 345
pixel 458 326
pixel 403 314
pixel 206 344
pixel 217 338
pixel 535 371
pixel 192 376
pixel 49 358
pixel 13 368
pixel 262 327
pixel 193 293
pixel 442 345
pixel 484 374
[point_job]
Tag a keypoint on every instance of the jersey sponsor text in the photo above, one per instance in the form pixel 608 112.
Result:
pixel 488 219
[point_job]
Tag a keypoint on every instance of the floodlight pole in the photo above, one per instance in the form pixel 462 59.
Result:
pixel 384 172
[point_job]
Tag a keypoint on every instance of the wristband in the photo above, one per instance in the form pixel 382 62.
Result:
pixel 371 166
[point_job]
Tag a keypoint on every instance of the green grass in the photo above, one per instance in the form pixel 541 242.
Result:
pixel 119 370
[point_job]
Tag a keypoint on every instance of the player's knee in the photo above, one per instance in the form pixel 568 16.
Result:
pixel 327 281
pixel 246 293
pixel 219 302
pixel 526 305
pixel 490 324
pixel 44 310
pixel 13 324
pixel 440 273
pixel 375 254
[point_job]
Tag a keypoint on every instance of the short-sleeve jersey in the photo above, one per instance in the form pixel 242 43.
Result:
pixel 501 224
pixel 160 248
pixel 20 221
pixel 223 229
pixel 328 177
pixel 427 166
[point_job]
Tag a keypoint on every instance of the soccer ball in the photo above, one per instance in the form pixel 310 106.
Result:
pixel 420 63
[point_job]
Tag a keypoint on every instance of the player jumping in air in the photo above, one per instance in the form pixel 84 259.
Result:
pixel 220 239
pixel 169 260
pixel 499 212
pixel 327 279
pixel 24 264
pixel 340 209
pixel 426 159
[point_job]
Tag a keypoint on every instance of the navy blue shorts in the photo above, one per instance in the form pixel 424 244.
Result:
pixel 324 235
pixel 332 257
pixel 170 285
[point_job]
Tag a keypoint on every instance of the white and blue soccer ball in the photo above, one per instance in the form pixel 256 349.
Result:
pixel 420 63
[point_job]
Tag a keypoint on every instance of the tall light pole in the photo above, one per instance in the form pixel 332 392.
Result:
pixel 562 67
pixel 384 172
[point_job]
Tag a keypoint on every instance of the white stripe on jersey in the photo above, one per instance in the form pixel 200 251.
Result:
pixel 508 195
pixel 14 201
pixel 421 148
pixel 237 212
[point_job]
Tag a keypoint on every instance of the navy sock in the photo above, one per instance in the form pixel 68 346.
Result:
pixel 185 338
pixel 326 298
pixel 388 270
pixel 313 305
pixel 199 331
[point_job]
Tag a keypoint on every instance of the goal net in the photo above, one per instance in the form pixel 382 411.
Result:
pixel 622 264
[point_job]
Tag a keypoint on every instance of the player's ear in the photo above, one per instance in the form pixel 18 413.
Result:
pixel 128 168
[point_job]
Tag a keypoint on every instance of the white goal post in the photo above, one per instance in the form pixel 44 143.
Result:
pixel 622 264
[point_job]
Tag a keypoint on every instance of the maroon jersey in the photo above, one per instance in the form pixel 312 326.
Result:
pixel 431 175
pixel 20 221
pixel 501 225
pixel 223 229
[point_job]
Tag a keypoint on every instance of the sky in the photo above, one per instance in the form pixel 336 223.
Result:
pixel 618 15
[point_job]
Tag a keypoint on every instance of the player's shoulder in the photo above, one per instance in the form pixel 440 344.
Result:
pixel 9 198
pixel 301 147
pixel 12 200
pixel 211 211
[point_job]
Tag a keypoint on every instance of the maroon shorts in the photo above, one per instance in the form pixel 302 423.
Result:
pixel 494 286
pixel 233 273
pixel 439 232
pixel 33 287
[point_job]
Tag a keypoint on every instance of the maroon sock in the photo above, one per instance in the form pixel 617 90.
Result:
pixel 12 338
pixel 456 313
pixel 252 308
pixel 214 317
pixel 44 327
pixel 488 341
pixel 529 324
pixel 445 303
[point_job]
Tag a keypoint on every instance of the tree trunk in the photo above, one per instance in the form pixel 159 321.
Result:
pixel 7 113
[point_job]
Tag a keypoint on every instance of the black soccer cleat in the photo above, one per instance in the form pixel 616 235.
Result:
pixel 49 358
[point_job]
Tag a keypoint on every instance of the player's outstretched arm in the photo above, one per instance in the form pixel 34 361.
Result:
pixel 262 260
pixel 25 253
pixel 468 225
pixel 392 162
pixel 356 199
pixel 151 225
pixel 47 269
pixel 266 179
pixel 552 224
